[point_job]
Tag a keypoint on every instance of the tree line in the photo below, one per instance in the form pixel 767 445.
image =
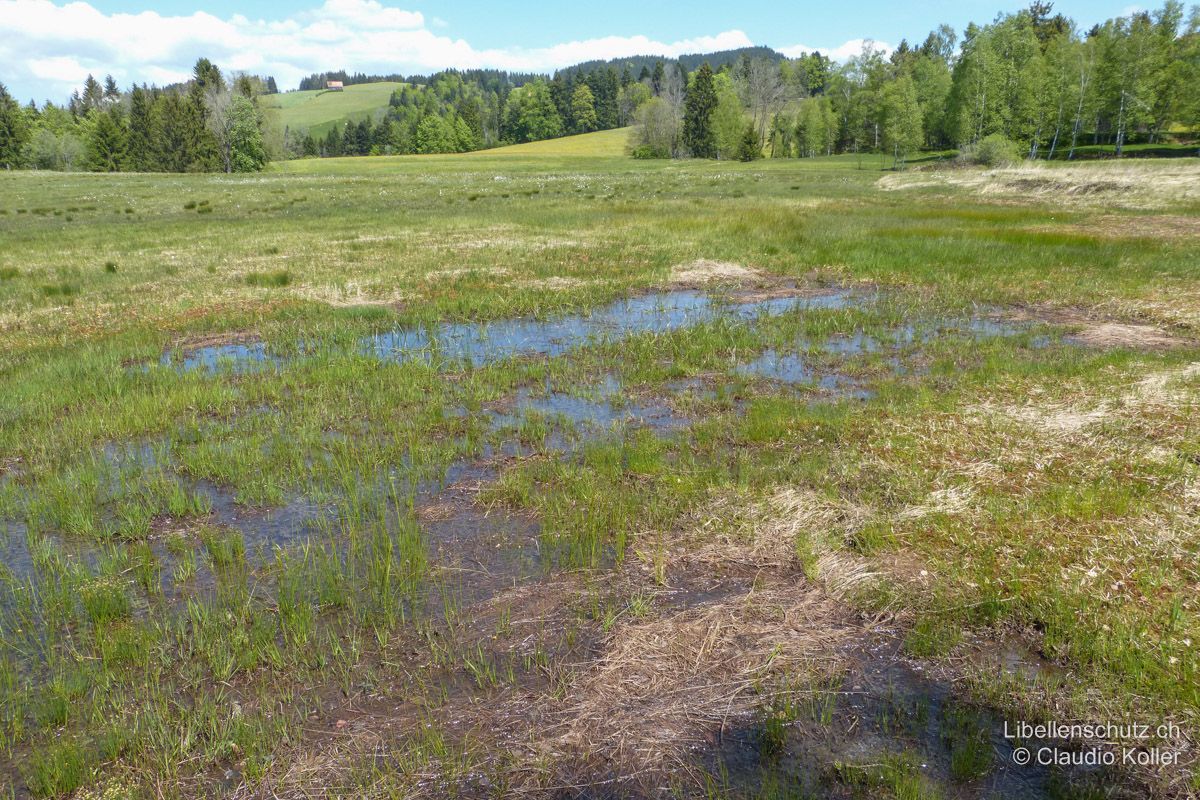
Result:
pixel 1029 84
pixel 318 80
pixel 208 124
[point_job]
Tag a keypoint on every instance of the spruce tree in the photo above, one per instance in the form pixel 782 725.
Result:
pixel 93 95
pixel 14 130
pixel 333 142
pixel 141 132
pixel 170 125
pixel 200 146
pixel 469 113
pixel 699 103
pixel 106 144
pixel 749 147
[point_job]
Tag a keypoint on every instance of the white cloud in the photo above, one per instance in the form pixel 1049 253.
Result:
pixel 57 68
pixel 842 52
pixel 49 48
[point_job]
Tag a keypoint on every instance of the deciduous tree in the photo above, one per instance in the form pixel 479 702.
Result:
pixel 583 109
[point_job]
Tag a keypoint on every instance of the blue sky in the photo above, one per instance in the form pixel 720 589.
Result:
pixel 490 24
pixel 57 43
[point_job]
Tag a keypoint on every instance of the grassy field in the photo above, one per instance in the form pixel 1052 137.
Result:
pixel 531 473
pixel 316 111
pixel 601 143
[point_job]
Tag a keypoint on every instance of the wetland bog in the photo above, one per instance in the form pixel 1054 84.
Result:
pixel 578 476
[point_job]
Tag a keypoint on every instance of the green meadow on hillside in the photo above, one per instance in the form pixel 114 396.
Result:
pixel 601 143
pixel 317 111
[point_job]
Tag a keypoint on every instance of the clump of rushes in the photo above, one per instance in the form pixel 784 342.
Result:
pixel 58 769
pixel 63 289
pixel 273 278
pixel 105 600
pixel 225 546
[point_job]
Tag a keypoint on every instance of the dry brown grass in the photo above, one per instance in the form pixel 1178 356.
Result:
pixel 1116 334
pixel 704 271
pixel 1057 422
pixel 1142 226
pixel 348 294
pixel 1125 184
pixel 664 686
pixel 1172 305
pixel 557 283
pixel 1109 325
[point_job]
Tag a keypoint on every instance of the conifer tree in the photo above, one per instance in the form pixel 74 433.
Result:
pixel 111 92
pixel 106 144
pixel 141 132
pixel 699 103
pixel 200 147
pixel 749 148
pixel 93 95
pixel 14 130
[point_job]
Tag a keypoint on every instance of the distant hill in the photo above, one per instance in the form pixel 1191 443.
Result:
pixel 691 61
pixel 317 111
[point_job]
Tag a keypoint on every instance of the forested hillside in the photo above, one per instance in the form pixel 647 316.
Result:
pixel 1030 84
pixel 642 66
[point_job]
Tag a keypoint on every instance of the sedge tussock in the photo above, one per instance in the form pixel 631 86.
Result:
pixel 705 270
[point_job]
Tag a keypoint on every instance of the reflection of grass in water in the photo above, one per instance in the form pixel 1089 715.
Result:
pixel 967 736
pixel 899 775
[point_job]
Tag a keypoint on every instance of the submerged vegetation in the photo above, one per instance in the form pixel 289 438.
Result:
pixel 495 475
